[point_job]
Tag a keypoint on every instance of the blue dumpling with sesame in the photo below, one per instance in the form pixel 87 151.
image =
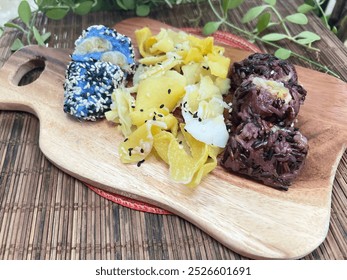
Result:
pixel 102 43
pixel 88 88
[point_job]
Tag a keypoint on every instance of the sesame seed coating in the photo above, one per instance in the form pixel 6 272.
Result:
pixel 88 87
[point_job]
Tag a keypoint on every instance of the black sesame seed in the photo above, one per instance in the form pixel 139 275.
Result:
pixel 169 91
pixel 199 119
pixel 141 110
pixel 130 149
pixel 140 162
pixel 126 139
pixel 161 106
pixel 142 150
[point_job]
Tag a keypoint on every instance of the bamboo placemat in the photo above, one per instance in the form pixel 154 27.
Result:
pixel 46 214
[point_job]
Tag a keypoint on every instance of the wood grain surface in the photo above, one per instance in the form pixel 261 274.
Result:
pixel 249 218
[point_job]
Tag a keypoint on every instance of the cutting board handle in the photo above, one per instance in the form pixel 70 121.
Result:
pixel 31 97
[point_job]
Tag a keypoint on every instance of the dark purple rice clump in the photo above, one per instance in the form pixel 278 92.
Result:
pixel 266 152
pixel 252 100
pixel 263 65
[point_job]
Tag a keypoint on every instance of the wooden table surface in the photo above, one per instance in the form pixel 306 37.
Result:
pixel 47 214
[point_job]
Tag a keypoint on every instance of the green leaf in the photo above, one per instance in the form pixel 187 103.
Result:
pixel 1 31
pixel 24 12
pixel 38 37
pixel 253 13
pixel 308 35
pixel 270 2
pixel 45 36
pixel 13 25
pixel 263 22
pixel 274 37
pixel 130 4
pixel 211 27
pixel 297 18
pixel 305 8
pixel 17 44
pixel 283 53
pixel 57 13
pixel 231 4
pixel 83 8
pixel 334 30
pixel 305 41
pixel 142 10
pixel 121 4
pixel 310 2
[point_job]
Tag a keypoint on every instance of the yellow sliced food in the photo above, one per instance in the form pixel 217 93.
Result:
pixel 192 73
pixel 207 167
pixel 188 167
pixel 205 45
pixel 152 60
pixel 223 84
pixel 218 50
pixel 163 91
pixel 183 166
pixel 121 109
pixel 176 69
pixel 160 69
pixel 219 65
pixel 139 117
pixel 193 55
pixel 161 144
pixel 142 36
pixel 164 43
pixel 139 144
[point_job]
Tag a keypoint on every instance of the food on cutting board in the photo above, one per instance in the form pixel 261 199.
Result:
pixel 172 104
pixel 264 143
pixel 88 87
pixel 274 101
pixel 264 65
pixel 266 152
pixel 175 106
pixel 101 62
pixel 101 43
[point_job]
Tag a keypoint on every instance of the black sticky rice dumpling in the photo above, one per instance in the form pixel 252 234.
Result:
pixel 271 100
pixel 266 152
pixel 263 65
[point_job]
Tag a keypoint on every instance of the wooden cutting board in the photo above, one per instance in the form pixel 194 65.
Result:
pixel 253 220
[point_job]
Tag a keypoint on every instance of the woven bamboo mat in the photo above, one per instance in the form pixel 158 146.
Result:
pixel 46 214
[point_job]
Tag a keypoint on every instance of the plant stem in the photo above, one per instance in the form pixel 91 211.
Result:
pixel 282 21
pixel 255 37
pixel 324 18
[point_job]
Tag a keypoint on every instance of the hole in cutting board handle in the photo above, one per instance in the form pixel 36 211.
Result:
pixel 29 71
